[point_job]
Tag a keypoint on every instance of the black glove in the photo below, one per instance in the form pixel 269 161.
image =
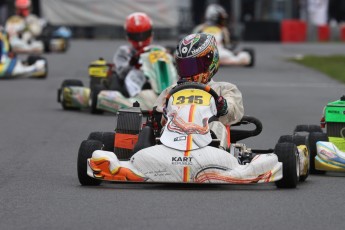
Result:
pixel 134 60
pixel 222 106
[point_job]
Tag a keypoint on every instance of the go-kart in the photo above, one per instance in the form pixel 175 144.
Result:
pixel 106 91
pixel 31 35
pixel 187 151
pixel 327 150
pixel 33 67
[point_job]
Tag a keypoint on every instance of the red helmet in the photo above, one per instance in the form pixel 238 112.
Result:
pixel 138 27
pixel 23 7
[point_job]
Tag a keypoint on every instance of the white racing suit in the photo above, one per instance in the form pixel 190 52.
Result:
pixel 123 69
pixel 222 36
pixel 235 107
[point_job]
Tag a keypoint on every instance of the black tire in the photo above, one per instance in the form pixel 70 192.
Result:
pixel 106 138
pixel 67 83
pixel 94 98
pixel 252 56
pixel 296 139
pixel 287 154
pixel 312 139
pixel 286 139
pixel 86 149
pixel 308 128
pixel 72 82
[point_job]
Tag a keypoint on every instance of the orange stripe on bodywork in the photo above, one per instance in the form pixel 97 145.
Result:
pixel 186 169
pixel 229 137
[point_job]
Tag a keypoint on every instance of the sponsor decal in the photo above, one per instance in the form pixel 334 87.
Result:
pixel 327 154
pixel 181 160
pixel 181 138
pixel 203 46
pixel 333 111
pixel 159 172
pixel 193 38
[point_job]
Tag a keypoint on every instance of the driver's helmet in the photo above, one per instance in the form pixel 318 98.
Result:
pixel 216 15
pixel 138 28
pixel 197 58
pixel 23 7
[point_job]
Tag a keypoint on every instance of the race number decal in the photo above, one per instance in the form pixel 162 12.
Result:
pixel 191 96
pixel 158 55
pixel 134 82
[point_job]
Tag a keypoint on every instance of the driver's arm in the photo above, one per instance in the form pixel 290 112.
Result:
pixel 121 60
pixel 234 101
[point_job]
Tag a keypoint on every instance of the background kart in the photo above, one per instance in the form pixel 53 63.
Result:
pixel 33 36
pixel 186 152
pixel 327 150
pixel 33 67
pixel 106 92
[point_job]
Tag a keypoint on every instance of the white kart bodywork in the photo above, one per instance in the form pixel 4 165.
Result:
pixel 184 156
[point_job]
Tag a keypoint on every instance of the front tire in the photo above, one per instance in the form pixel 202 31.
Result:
pixel 86 149
pixel 67 83
pixel 288 154
pixel 312 139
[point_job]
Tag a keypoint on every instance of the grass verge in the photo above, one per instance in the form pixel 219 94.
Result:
pixel 333 65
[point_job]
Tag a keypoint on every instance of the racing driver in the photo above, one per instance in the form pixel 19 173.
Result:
pixel 197 60
pixel 138 27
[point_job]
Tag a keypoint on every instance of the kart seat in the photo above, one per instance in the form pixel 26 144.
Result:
pixel 146 139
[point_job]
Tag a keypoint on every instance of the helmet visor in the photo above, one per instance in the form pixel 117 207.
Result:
pixel 139 37
pixel 188 67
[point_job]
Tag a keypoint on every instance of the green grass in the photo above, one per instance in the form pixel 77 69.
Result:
pixel 333 66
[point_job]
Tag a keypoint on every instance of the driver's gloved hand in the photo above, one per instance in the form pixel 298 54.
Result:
pixel 134 60
pixel 222 106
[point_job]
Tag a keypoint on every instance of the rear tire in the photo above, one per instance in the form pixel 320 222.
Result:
pixel 312 139
pixel 106 138
pixel 94 99
pixel 288 154
pixel 86 149
pixel 308 128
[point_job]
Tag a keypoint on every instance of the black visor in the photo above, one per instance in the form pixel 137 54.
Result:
pixel 188 67
pixel 139 37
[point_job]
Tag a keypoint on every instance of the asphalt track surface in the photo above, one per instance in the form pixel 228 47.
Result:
pixel 39 188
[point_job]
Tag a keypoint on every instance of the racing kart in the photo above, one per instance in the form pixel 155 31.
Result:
pixel 327 149
pixel 106 91
pixel 33 67
pixel 186 150
pixel 31 36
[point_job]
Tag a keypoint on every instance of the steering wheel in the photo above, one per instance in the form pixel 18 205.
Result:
pixel 192 85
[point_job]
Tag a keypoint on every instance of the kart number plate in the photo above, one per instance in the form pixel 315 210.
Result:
pixel 191 96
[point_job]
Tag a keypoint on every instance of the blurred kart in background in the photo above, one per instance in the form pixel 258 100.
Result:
pixel 106 92
pixel 187 151
pixel 33 67
pixel 32 35
pixel 327 149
